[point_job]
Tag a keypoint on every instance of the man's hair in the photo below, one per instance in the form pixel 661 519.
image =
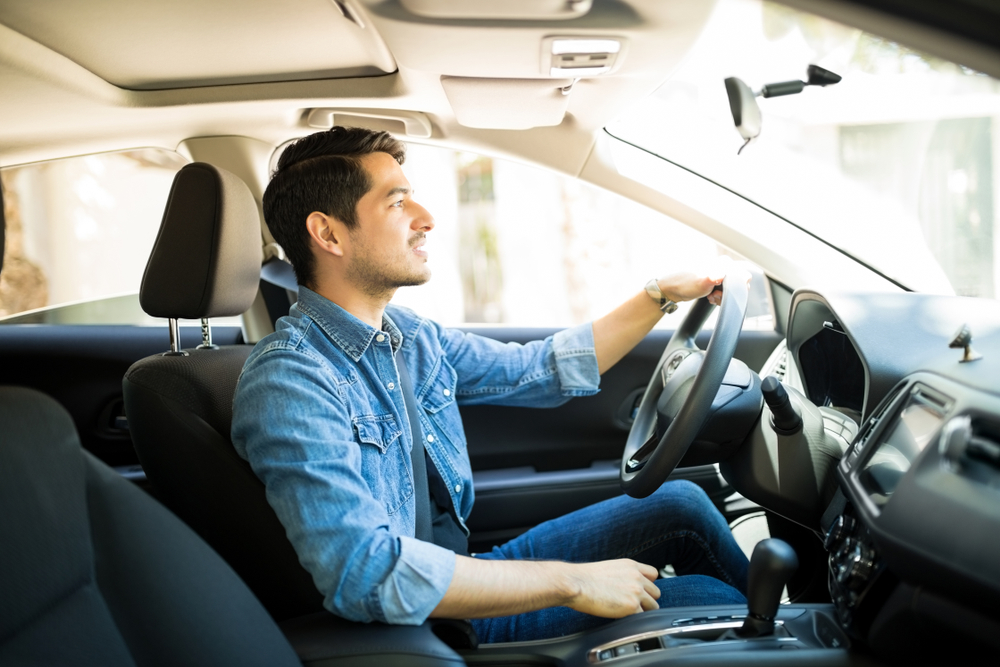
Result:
pixel 321 172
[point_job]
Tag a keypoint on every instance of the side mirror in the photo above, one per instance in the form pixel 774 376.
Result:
pixel 746 113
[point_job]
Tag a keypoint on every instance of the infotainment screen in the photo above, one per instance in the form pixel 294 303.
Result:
pixel 914 427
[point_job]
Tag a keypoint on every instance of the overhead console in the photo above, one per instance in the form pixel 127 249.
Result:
pixel 534 63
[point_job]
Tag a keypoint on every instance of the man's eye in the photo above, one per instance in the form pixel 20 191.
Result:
pixel 398 204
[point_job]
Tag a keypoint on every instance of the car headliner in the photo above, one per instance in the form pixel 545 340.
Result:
pixel 110 74
pixel 228 81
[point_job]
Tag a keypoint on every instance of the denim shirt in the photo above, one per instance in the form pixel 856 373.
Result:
pixel 319 415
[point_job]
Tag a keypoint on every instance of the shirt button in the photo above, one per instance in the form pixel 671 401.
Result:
pixel 458 488
pixel 430 438
pixel 447 392
pixel 392 385
pixel 380 338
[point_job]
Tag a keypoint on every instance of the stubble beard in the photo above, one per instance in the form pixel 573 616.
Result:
pixel 379 274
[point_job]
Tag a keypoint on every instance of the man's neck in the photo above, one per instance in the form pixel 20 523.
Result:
pixel 368 308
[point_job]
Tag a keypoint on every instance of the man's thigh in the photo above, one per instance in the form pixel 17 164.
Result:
pixel 648 530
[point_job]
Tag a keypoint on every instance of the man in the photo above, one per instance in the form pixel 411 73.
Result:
pixel 320 414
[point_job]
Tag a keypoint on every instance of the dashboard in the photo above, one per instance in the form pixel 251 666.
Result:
pixel 913 530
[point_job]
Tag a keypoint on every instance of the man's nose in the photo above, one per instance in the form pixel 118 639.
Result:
pixel 423 220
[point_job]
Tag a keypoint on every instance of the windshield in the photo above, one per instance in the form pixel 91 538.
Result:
pixel 895 164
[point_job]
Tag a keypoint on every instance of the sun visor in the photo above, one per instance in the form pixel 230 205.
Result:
pixel 507 104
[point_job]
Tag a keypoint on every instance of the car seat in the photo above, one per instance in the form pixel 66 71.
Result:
pixel 95 572
pixel 206 262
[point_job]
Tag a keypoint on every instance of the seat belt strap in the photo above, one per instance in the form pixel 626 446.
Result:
pixel 421 492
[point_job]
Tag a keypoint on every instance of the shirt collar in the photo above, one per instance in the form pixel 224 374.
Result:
pixel 348 332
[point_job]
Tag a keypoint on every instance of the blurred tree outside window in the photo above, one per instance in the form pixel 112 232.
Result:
pixel 79 233
pixel 522 246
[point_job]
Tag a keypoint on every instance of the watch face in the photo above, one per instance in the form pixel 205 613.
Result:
pixel 669 307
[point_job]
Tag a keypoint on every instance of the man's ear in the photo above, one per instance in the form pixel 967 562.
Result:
pixel 328 233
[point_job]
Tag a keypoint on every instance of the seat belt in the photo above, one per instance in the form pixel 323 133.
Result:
pixel 424 530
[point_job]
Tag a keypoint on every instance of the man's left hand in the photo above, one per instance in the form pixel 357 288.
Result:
pixel 688 285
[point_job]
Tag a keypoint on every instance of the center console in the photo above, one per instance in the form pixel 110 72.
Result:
pixel 692 635
pixel 913 533
pixel 761 632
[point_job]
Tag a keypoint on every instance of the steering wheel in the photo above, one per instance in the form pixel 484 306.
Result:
pixel 679 394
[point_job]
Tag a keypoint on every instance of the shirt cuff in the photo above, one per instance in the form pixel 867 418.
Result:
pixel 417 583
pixel 576 361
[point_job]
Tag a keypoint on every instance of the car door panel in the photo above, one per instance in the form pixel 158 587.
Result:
pixel 532 465
pixel 82 366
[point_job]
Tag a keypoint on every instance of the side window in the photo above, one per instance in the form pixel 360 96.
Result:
pixel 79 232
pixel 527 247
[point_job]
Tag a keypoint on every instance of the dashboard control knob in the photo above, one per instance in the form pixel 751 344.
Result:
pixel 840 530
pixel 858 568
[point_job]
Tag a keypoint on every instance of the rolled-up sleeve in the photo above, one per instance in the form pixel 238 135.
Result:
pixel 576 360
pixel 416 584
pixel 291 425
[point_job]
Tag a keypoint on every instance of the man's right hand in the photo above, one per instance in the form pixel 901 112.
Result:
pixel 482 588
pixel 614 588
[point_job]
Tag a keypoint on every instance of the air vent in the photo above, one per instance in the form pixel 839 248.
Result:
pixel 971 446
pixel 777 363
pixel 781 367
pixel 873 422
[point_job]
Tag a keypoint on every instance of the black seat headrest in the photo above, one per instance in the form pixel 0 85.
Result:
pixel 207 255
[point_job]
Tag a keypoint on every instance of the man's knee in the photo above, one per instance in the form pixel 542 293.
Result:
pixel 688 503
pixel 686 493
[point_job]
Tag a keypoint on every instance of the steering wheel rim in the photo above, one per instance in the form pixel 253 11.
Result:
pixel 640 476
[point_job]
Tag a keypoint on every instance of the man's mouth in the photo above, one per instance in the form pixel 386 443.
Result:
pixel 417 244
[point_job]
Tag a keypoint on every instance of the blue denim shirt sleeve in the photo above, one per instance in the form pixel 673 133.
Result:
pixel 544 373
pixel 311 466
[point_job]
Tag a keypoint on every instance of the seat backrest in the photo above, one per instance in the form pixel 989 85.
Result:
pixel 95 572
pixel 206 263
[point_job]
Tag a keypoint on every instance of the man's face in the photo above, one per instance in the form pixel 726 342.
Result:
pixel 387 243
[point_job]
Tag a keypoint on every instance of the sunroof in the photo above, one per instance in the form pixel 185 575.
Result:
pixel 187 43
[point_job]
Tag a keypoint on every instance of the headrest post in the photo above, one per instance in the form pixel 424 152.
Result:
pixel 206 336
pixel 175 340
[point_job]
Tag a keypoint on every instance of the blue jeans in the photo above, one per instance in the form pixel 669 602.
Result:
pixel 678 525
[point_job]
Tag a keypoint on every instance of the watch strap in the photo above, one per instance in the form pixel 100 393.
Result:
pixel 657 295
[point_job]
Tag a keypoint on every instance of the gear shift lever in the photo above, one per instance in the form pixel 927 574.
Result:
pixel 771 566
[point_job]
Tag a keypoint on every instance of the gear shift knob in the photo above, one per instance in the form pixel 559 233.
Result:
pixel 771 566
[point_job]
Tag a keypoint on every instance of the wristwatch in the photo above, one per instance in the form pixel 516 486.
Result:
pixel 657 295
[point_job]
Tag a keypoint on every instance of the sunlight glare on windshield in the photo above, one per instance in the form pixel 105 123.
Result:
pixel 897 164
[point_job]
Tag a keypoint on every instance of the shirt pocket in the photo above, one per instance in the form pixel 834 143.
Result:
pixel 439 392
pixel 383 461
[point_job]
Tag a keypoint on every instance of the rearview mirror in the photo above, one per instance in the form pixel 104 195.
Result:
pixel 743 101
pixel 746 113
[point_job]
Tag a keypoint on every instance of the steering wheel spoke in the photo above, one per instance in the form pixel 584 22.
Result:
pixel 680 393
